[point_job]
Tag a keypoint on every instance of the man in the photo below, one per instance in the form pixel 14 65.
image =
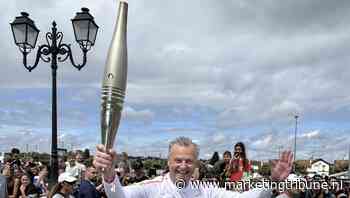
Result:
pixel 3 187
pixel 183 154
pixel 75 166
pixel 79 161
pixel 87 187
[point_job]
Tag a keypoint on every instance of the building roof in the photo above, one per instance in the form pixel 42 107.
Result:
pixel 317 160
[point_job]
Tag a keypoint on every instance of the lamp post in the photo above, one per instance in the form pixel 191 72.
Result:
pixel 25 35
pixel 295 141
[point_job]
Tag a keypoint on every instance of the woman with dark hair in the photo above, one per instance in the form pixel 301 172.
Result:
pixel 239 165
pixel 27 188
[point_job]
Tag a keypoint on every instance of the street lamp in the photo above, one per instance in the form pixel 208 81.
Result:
pixel 25 35
pixel 295 142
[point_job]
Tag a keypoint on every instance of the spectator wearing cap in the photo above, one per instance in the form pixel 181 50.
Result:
pixel 64 188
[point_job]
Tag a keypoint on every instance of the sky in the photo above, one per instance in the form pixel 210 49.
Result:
pixel 218 72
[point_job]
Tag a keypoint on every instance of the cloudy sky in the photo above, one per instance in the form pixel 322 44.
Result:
pixel 216 71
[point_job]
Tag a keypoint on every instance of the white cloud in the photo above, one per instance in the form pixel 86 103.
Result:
pixel 219 138
pixel 266 141
pixel 145 115
pixel 311 134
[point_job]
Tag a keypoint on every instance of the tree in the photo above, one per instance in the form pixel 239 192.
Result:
pixel 86 154
pixel 300 168
pixel 15 151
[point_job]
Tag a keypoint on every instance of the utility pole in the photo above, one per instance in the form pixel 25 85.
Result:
pixel 349 164
pixel 295 142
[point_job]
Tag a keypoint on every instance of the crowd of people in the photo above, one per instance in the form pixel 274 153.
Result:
pixel 28 178
pixel 79 178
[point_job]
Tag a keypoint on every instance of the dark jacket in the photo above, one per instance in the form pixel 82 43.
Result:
pixel 88 190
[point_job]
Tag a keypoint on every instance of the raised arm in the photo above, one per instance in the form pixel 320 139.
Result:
pixel 282 168
pixel 105 162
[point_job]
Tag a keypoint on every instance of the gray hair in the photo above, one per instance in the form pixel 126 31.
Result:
pixel 185 142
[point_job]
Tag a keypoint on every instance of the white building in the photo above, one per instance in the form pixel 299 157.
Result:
pixel 318 167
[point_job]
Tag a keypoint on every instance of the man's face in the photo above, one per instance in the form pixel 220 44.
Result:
pixel 91 174
pixel 34 170
pixel 227 158
pixel 182 162
pixel 71 162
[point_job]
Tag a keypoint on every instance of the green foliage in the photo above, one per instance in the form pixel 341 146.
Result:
pixel 156 164
pixel 300 169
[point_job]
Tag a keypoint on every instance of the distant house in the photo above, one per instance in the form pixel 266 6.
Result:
pixel 318 167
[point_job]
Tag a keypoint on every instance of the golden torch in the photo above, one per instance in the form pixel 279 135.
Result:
pixel 114 79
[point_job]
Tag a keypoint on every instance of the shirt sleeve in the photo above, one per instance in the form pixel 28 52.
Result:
pixel 116 190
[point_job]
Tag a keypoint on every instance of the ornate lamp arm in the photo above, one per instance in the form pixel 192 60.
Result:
pixel 42 50
pixel 65 49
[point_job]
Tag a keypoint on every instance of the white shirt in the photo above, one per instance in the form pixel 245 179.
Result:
pixel 75 170
pixel 163 187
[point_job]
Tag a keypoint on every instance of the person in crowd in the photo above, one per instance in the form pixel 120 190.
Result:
pixel 88 187
pixel 18 173
pixel 3 187
pixel 138 173
pixel 7 172
pixel 240 166
pixel 41 180
pixel 27 188
pixel 79 161
pixel 210 174
pixel 61 165
pixel 183 154
pixel 215 158
pixel 125 163
pixel 222 167
pixel 123 174
pixel 64 188
pixel 74 166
